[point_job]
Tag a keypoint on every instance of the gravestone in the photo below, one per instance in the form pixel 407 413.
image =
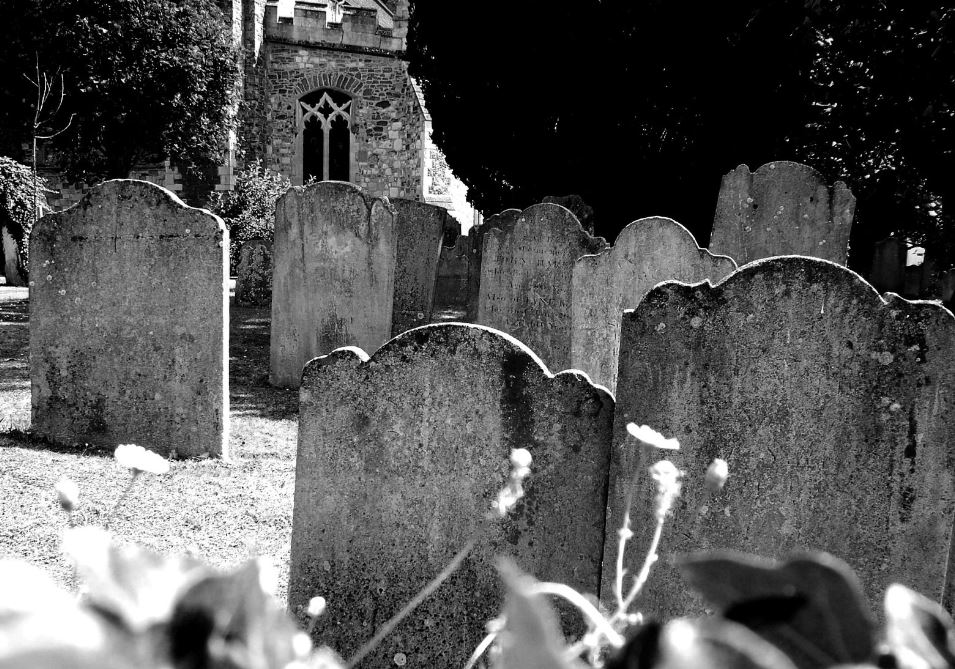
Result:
pixel 129 322
pixel 333 283
pixel 577 206
pixel 419 229
pixel 392 479
pixel 453 278
pixel 526 272
pixel 888 265
pixel 253 286
pixel 647 252
pixel 833 408
pixel 783 208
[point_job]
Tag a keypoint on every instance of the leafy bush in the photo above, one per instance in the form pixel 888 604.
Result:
pixel 249 208
pixel 18 197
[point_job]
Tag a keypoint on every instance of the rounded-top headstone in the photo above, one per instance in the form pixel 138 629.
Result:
pixel 129 322
pixel 333 282
pixel 526 272
pixel 400 456
pixel 647 252
pixel 783 208
pixel 834 407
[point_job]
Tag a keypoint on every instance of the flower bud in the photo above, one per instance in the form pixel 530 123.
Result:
pixel 716 475
pixel 316 606
pixel 67 493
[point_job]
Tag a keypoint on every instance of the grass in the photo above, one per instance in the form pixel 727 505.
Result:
pixel 228 512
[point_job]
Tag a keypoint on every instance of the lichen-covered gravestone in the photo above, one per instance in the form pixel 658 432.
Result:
pixel 393 478
pixel 333 283
pixel 419 229
pixel 783 208
pixel 834 409
pixel 253 286
pixel 129 322
pixel 526 273
pixel 453 278
pixel 647 252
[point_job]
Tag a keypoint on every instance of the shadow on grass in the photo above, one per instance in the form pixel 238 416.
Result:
pixel 23 438
pixel 249 391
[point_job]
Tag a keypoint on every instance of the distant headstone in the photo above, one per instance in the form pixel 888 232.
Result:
pixel 129 322
pixel 453 278
pixel 888 265
pixel 834 409
pixel 783 208
pixel 577 206
pixel 647 252
pixel 526 273
pixel 253 286
pixel 392 479
pixel 333 283
pixel 419 230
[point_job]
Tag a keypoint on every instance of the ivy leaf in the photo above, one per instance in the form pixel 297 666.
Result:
pixel 531 638
pixel 710 643
pixel 811 607
pixel 919 631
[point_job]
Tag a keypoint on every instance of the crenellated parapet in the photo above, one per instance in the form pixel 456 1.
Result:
pixel 351 25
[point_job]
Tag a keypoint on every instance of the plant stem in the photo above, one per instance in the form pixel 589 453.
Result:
pixel 122 498
pixel 422 595
pixel 625 533
pixel 479 651
pixel 583 604
pixel 644 571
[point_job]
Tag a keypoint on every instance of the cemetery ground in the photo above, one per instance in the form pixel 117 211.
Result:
pixel 225 511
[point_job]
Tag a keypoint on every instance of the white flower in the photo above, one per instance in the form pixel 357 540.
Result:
pixel 316 606
pixel 68 493
pixel 667 478
pixel 651 437
pixel 716 475
pixel 521 458
pixel 139 459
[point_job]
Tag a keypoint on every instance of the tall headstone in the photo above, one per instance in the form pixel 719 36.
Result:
pixel 526 273
pixel 834 409
pixel 646 252
pixel 129 322
pixel 333 283
pixel 782 208
pixel 504 221
pixel 419 230
pixel 888 265
pixel 392 479
pixel 578 207
pixel 253 286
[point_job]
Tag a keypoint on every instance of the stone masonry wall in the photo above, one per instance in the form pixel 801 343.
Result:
pixel 386 118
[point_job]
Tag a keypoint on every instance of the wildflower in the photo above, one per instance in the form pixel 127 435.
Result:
pixel 513 490
pixel 139 459
pixel 68 493
pixel 716 475
pixel 667 478
pixel 651 437
pixel 316 606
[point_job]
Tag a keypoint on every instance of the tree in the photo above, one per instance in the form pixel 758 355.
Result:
pixel 21 194
pixel 248 210
pixel 641 107
pixel 145 79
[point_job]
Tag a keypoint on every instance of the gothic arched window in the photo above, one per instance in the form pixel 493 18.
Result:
pixel 326 135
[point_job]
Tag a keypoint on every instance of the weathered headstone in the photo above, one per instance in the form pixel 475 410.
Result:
pixel 451 285
pixel 333 283
pixel 253 286
pixel 526 273
pixel 888 265
pixel 503 221
pixel 392 479
pixel 783 208
pixel 419 230
pixel 577 206
pixel 834 409
pixel 129 322
pixel 646 252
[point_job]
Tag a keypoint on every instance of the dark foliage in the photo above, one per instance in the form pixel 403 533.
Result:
pixel 143 79
pixel 642 107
